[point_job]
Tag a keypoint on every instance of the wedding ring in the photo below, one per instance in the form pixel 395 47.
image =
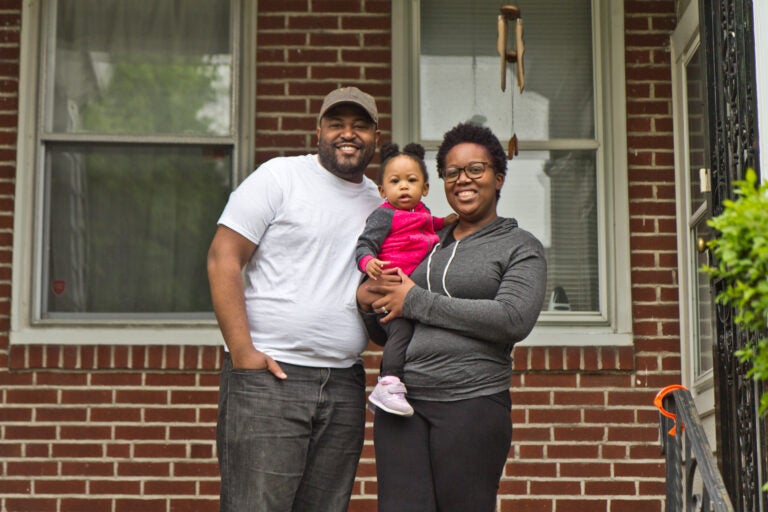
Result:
pixel 384 310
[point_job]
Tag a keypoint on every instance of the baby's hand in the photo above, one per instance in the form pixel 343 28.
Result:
pixel 451 219
pixel 374 267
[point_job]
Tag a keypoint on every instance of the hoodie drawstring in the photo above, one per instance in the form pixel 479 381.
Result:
pixel 447 265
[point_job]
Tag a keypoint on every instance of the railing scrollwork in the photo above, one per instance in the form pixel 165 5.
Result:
pixel 688 453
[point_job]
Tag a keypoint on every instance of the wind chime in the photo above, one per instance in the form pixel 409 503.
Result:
pixel 511 13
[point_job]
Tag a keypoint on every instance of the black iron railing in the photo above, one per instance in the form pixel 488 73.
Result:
pixel 688 455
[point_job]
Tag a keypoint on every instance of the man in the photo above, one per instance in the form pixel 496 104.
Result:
pixel 292 391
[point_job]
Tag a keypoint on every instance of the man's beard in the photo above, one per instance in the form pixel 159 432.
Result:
pixel 344 168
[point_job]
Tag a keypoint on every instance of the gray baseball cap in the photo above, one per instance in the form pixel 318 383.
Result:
pixel 351 95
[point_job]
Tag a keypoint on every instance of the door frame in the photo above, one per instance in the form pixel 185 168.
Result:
pixel 685 40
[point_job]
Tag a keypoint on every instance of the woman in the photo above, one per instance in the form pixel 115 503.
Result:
pixel 477 294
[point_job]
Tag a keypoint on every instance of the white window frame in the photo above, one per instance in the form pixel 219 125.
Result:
pixel 613 324
pixel 26 327
pixel 759 15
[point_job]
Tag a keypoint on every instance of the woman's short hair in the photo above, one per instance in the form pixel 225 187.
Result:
pixel 476 134
pixel 413 151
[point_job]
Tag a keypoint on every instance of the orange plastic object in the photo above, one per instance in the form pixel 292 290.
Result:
pixel 658 403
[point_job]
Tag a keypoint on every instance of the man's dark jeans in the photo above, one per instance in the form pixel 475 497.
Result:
pixel 290 445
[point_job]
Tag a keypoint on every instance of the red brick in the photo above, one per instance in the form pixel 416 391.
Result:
pixel 115 414
pixel 145 505
pixel 555 487
pixel 527 505
pixel 31 468
pixel 30 504
pixel 550 380
pixel 582 505
pixel 170 487
pixel 535 452
pixel 314 22
pixel 31 396
pixel 168 415
pixel 188 433
pixel 91 505
pixel 85 432
pixel 633 434
pixel 61 414
pixel 59 487
pixel 160 451
pixel 87 468
pixel 610 488
pixel 523 397
pixel 145 469
pixel 337 72
pixel 194 397
pixel 524 433
pixel 585 469
pixel 139 432
pixel 196 469
pixel 579 398
pixel 113 487
pixel 550 416
pixel 212 505
pixel 579 434
pixel 77 450
pixel 29 432
pixel 637 505
pixel 573 451
pixel 531 469
pixel 15 486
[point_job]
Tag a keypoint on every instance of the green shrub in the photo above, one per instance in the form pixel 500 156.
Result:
pixel 741 258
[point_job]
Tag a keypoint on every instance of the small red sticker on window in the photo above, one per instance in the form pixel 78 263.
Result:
pixel 58 286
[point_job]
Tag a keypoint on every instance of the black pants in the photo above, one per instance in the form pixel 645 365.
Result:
pixel 447 457
pixel 399 332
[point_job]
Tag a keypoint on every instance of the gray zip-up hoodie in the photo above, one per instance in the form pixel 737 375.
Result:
pixel 476 297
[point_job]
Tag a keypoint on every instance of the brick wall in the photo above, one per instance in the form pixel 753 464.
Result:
pixel 118 428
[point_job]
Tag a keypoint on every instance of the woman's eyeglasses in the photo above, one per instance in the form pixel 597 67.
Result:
pixel 473 170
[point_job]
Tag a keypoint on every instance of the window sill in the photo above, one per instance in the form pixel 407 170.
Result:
pixel 574 336
pixel 195 335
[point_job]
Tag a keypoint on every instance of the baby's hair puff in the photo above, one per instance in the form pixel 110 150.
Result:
pixel 414 151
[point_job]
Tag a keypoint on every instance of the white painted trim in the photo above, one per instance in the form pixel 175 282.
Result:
pixel 547 336
pixel 620 279
pixel 23 218
pixel 683 43
pixel 760 20
pixel 122 335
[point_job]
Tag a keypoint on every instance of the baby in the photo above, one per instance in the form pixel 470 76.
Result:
pixel 399 233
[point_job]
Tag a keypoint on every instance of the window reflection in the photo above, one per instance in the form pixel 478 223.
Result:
pixel 141 67
pixel 129 228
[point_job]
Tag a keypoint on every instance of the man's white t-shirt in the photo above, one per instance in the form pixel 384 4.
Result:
pixel 301 281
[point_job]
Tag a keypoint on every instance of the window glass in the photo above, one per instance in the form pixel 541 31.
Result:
pixel 552 192
pixel 552 195
pixel 141 66
pixel 460 67
pixel 698 140
pixel 128 228
pixel 138 153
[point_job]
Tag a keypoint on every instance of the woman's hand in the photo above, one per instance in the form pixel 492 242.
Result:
pixel 393 285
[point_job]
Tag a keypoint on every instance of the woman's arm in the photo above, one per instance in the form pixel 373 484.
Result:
pixel 507 318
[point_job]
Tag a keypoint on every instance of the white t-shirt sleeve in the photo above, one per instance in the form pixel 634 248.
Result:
pixel 253 205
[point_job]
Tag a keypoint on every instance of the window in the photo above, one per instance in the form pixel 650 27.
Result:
pixel 567 185
pixel 137 142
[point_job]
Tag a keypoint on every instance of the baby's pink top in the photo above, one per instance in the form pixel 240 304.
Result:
pixel 402 237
